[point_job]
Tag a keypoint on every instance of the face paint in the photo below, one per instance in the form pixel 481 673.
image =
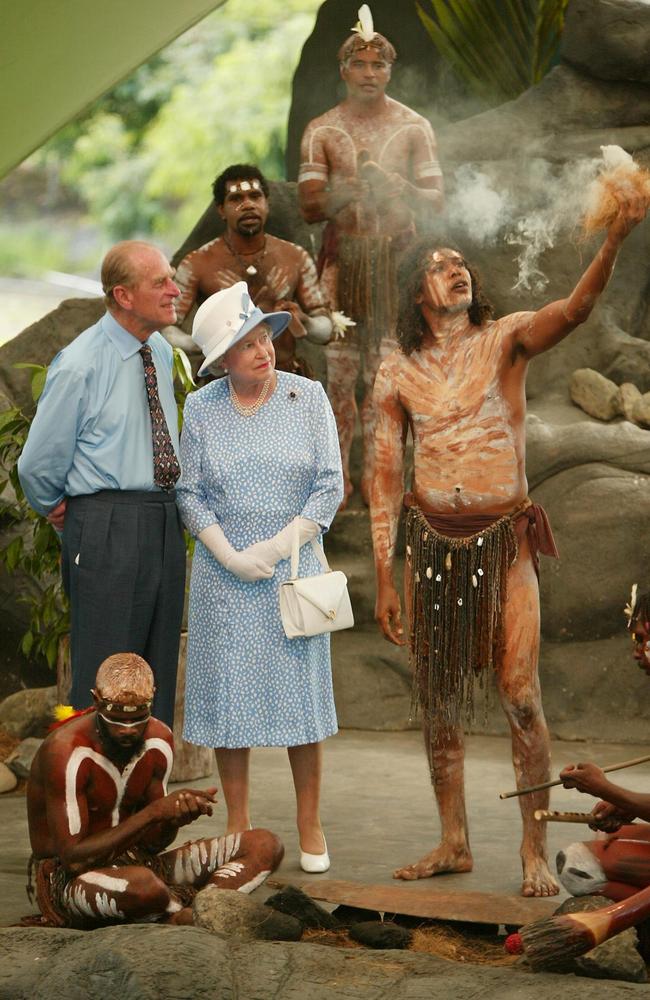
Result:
pixel 446 285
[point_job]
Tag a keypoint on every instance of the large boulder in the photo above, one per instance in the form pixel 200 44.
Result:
pixel 608 40
pixel 29 712
pixel 598 513
pixel 39 343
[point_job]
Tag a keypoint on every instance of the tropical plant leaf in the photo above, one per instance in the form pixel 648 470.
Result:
pixel 499 46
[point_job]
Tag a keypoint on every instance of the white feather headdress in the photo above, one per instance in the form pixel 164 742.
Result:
pixel 364 26
pixel 628 610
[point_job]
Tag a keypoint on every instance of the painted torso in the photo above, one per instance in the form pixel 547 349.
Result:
pixel 398 139
pixel 283 271
pixel 74 789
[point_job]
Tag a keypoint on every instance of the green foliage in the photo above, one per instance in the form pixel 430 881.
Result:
pixel 142 159
pixel 499 46
pixel 37 551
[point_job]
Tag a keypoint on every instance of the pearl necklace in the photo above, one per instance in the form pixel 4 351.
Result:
pixel 242 409
pixel 258 256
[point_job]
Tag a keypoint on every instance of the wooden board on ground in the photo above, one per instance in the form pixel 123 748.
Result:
pixel 473 907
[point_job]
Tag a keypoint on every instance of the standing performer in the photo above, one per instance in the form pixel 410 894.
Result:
pixel 99 814
pixel 368 167
pixel 101 463
pixel 472 534
pixel 281 276
pixel 619 866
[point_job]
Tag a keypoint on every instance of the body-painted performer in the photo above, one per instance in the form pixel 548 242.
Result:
pixel 101 462
pixel 473 536
pixel 99 816
pixel 369 168
pixel 620 865
pixel 280 275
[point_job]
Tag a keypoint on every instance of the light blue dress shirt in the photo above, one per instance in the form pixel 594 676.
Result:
pixel 92 428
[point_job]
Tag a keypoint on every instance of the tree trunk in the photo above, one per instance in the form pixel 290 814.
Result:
pixel 190 761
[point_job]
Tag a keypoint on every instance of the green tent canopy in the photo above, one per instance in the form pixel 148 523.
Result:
pixel 58 56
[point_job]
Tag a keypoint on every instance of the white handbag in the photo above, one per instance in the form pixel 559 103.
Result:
pixel 311 605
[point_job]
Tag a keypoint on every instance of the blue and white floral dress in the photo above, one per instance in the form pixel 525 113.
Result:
pixel 247 684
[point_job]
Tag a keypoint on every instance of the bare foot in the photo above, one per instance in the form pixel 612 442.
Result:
pixel 348 490
pixel 538 880
pixel 442 859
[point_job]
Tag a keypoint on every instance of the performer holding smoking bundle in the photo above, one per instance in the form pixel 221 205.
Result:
pixel 473 535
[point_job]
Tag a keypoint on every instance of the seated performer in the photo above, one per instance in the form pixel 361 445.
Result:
pixel 619 866
pixel 99 814
pixel 281 276
pixel 472 534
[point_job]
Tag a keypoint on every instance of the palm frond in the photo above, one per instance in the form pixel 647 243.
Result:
pixel 500 46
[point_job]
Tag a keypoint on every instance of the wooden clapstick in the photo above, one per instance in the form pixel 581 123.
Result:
pixel 558 781
pixel 552 816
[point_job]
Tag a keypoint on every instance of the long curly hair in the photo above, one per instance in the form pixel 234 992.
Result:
pixel 411 325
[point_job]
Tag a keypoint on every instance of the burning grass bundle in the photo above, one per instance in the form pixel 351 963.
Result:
pixel 620 177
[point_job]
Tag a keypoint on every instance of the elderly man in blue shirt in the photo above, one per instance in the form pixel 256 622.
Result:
pixel 101 463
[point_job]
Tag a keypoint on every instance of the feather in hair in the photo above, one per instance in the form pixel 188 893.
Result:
pixel 364 26
pixel 628 610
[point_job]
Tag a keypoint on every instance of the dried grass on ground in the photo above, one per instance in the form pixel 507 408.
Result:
pixel 441 940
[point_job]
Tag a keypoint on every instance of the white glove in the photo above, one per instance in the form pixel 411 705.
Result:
pixel 272 550
pixel 246 566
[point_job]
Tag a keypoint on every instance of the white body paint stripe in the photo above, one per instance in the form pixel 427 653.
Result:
pixel 80 754
pixel 107 882
pixel 254 882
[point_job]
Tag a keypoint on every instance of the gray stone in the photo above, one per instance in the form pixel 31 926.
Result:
pixel 562 437
pixel 377 934
pixel 641 412
pixel 628 399
pixel 147 962
pixel 28 712
pixel 40 342
pixel 617 958
pixel 594 393
pixel 8 779
pixel 233 914
pixel 624 358
pixel 609 39
pixel 298 904
pixel 598 514
pixel 372 680
pixel 20 759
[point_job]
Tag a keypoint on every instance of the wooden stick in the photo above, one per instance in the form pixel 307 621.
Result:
pixel 551 816
pixel 558 781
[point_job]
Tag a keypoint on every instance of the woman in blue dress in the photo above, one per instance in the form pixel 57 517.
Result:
pixel 260 459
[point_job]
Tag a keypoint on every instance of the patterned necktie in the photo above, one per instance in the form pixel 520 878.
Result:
pixel 166 469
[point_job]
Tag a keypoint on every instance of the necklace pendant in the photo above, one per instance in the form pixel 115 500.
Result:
pixel 251 269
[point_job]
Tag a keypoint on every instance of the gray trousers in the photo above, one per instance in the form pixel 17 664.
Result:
pixel 123 567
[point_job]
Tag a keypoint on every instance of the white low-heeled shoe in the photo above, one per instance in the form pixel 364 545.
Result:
pixel 315 863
